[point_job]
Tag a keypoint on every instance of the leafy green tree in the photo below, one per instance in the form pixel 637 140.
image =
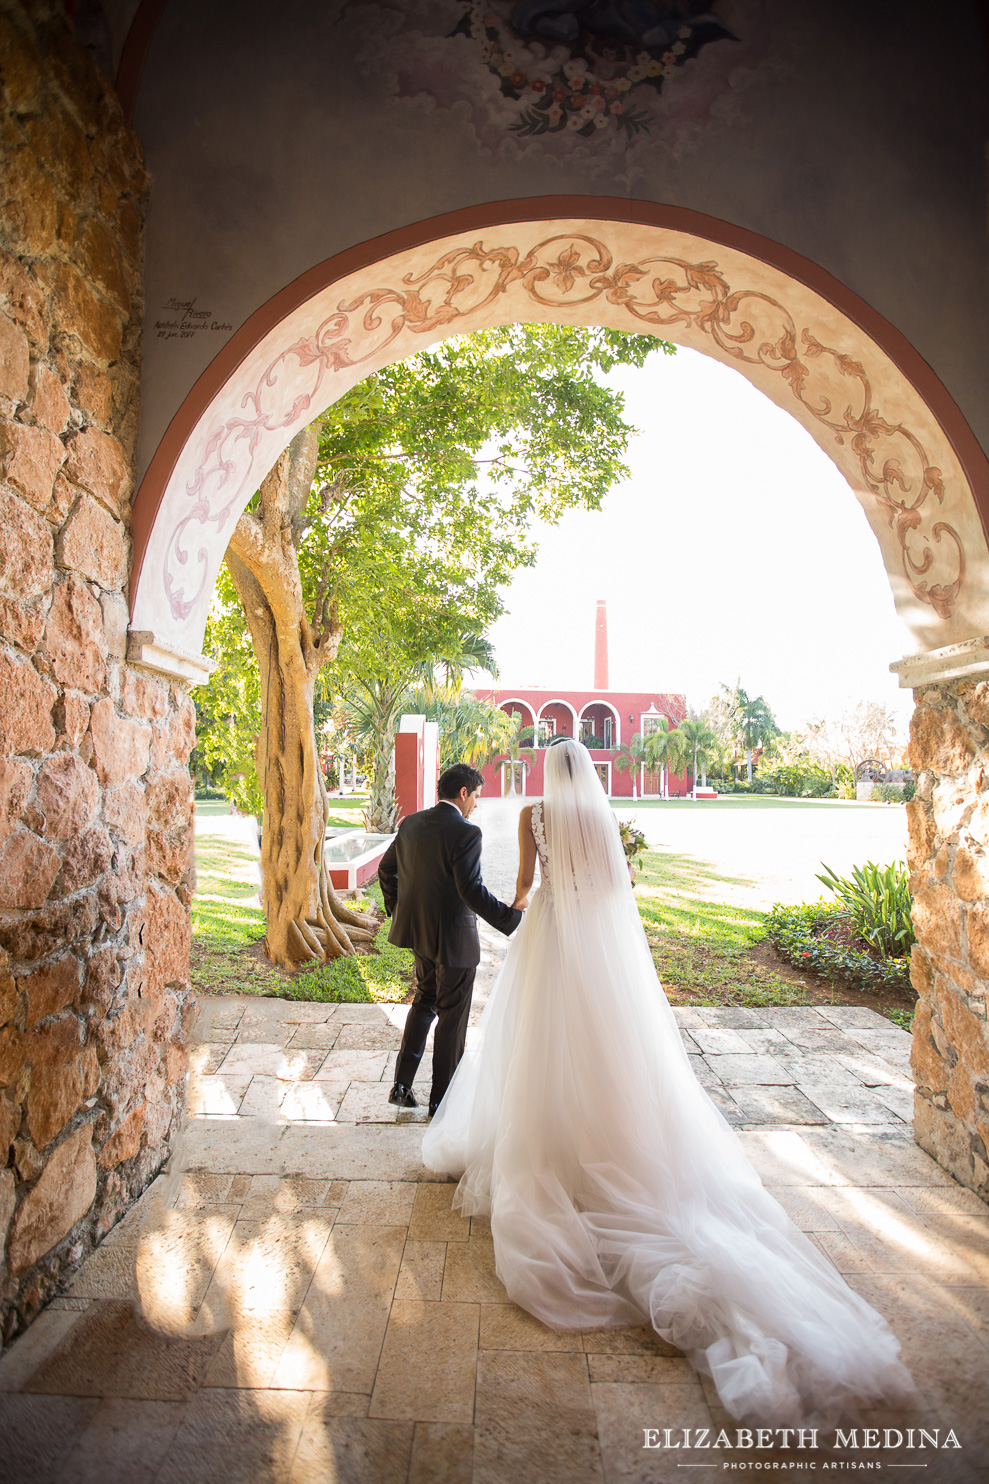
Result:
pixel 228 710
pixel 391 525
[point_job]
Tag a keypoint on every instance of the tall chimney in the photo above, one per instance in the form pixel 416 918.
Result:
pixel 601 646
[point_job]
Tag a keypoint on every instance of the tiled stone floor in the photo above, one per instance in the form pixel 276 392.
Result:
pixel 302 1304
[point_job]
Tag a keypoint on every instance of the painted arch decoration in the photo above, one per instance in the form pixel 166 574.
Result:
pixel 325 333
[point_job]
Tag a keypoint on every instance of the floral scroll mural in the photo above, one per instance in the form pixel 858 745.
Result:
pixel 586 65
pixel 566 272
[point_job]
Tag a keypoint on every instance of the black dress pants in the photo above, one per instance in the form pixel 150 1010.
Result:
pixel 442 994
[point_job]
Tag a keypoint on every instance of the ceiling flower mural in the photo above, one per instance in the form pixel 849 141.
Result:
pixel 613 84
pixel 587 65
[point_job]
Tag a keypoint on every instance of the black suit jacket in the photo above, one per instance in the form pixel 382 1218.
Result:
pixel 430 878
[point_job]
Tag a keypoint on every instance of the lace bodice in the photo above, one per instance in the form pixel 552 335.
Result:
pixel 539 835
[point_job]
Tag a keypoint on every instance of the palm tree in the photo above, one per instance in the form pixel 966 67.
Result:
pixel 517 750
pixel 666 748
pixel 720 755
pixel 748 720
pixel 373 705
pixel 757 724
pixel 702 740
pixel 629 759
pixel 471 730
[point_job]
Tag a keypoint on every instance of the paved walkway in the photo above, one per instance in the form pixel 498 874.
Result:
pixel 302 1304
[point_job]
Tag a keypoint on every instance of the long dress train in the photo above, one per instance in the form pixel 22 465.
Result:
pixel 617 1192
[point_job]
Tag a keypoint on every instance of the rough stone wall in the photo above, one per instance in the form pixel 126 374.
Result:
pixel 949 863
pixel 95 797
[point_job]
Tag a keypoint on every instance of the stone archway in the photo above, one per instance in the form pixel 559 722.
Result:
pixel 814 348
pixel 870 402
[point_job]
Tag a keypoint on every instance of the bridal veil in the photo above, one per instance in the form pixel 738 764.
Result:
pixel 617 1192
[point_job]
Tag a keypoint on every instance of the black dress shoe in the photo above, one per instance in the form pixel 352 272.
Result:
pixel 402 1096
pixel 432 1108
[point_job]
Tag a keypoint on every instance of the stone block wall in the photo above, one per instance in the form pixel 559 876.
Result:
pixel 95 796
pixel 949 864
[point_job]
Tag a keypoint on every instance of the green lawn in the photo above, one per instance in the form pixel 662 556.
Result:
pixel 745 801
pixel 225 868
pixel 343 812
pixel 227 932
pixel 705 950
pixel 702 948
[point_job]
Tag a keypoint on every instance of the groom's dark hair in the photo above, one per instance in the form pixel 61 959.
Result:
pixel 456 777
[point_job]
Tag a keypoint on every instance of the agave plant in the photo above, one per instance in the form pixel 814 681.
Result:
pixel 877 900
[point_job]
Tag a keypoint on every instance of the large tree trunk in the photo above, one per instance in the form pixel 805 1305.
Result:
pixel 305 918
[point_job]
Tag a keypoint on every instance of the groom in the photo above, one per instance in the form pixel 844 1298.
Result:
pixel 430 878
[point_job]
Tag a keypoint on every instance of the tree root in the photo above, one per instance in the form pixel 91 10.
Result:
pixel 363 924
pixel 301 942
pixel 326 929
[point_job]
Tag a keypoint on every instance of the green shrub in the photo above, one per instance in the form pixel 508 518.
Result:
pixel 207 794
pixel 877 901
pixel 846 782
pixel 797 933
pixel 799 781
pixel 893 793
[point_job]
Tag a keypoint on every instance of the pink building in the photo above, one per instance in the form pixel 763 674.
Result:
pixel 604 719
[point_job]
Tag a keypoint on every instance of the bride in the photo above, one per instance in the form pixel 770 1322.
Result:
pixel 617 1192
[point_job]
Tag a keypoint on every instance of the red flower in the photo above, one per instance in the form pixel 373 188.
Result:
pixel 559 94
pixel 537 85
pixel 577 100
pixel 519 79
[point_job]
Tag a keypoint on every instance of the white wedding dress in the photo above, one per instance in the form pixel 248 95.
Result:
pixel 617 1192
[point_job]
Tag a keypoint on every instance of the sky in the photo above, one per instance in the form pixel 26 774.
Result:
pixel 736 550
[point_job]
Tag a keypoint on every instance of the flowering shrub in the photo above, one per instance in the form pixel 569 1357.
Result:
pixel 800 934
